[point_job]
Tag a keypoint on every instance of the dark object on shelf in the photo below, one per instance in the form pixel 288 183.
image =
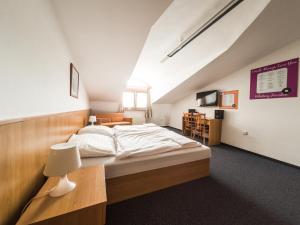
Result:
pixel 219 114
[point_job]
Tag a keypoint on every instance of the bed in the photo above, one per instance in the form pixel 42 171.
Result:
pixel 128 177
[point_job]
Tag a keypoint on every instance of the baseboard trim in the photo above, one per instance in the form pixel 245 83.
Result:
pixel 247 151
pixel 172 128
pixel 262 156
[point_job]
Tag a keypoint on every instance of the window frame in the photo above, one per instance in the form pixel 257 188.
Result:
pixel 135 108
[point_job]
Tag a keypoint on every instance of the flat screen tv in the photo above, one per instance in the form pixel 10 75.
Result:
pixel 207 98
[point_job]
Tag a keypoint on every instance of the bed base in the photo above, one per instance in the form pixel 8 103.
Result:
pixel 129 186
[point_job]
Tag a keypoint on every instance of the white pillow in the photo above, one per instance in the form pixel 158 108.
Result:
pixel 97 129
pixel 94 145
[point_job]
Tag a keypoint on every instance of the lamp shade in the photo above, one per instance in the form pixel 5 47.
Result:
pixel 63 158
pixel 92 119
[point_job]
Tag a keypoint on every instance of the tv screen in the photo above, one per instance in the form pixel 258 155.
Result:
pixel 207 98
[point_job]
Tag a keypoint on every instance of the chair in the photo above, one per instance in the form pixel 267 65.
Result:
pixel 199 127
pixel 188 123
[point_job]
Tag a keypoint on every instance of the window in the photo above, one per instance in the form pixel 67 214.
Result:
pixel 128 99
pixel 136 95
pixel 141 100
pixel 135 100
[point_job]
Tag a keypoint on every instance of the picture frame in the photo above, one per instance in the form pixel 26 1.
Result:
pixel 278 80
pixel 229 99
pixel 74 81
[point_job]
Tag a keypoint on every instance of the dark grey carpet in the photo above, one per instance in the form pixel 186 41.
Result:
pixel 243 189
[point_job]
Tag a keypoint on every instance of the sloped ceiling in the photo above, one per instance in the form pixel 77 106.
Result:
pixel 113 40
pixel 274 28
pixel 180 19
pixel 105 38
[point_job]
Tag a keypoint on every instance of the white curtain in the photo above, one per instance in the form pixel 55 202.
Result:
pixel 148 112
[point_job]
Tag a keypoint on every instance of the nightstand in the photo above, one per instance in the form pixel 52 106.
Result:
pixel 85 205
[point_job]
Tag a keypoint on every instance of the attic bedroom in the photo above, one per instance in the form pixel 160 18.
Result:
pixel 149 112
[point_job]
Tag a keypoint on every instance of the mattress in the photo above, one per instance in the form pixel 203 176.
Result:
pixel 121 167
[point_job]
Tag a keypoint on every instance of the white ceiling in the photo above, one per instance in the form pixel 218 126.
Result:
pixel 106 37
pixel 274 28
pixel 110 41
pixel 181 18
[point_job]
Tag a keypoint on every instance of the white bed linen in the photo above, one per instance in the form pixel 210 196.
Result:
pixel 115 167
pixel 97 129
pixel 94 145
pixel 148 139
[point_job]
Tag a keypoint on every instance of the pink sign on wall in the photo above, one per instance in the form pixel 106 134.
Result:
pixel 279 80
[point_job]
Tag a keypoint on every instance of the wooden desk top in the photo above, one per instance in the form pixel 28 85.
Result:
pixel 208 118
pixel 90 190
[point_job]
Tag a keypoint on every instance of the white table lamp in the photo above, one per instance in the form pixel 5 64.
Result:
pixel 63 158
pixel 92 119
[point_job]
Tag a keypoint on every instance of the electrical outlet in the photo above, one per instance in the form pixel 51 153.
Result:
pixel 245 133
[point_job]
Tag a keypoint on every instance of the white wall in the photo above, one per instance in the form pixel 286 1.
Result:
pixel 160 112
pixel 104 106
pixel 273 124
pixel 34 68
pixel 106 37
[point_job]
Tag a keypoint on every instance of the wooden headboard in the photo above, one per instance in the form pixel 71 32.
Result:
pixel 24 146
pixel 109 115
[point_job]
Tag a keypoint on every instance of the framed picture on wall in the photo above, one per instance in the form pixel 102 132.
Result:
pixel 74 81
pixel 279 80
pixel 229 99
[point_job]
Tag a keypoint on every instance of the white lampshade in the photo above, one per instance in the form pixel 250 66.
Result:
pixel 63 158
pixel 92 119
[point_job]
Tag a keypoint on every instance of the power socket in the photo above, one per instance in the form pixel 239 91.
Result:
pixel 245 133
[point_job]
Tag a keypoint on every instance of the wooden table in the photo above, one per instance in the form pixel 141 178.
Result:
pixel 85 205
pixel 214 128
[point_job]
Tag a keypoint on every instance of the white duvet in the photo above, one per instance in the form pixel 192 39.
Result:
pixel 94 145
pixel 148 139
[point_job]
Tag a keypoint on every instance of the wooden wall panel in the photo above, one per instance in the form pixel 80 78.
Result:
pixel 24 146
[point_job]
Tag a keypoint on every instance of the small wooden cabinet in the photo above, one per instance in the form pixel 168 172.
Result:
pixel 85 205
pixel 214 128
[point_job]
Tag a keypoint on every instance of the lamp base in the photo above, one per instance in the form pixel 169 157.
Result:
pixel 63 187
